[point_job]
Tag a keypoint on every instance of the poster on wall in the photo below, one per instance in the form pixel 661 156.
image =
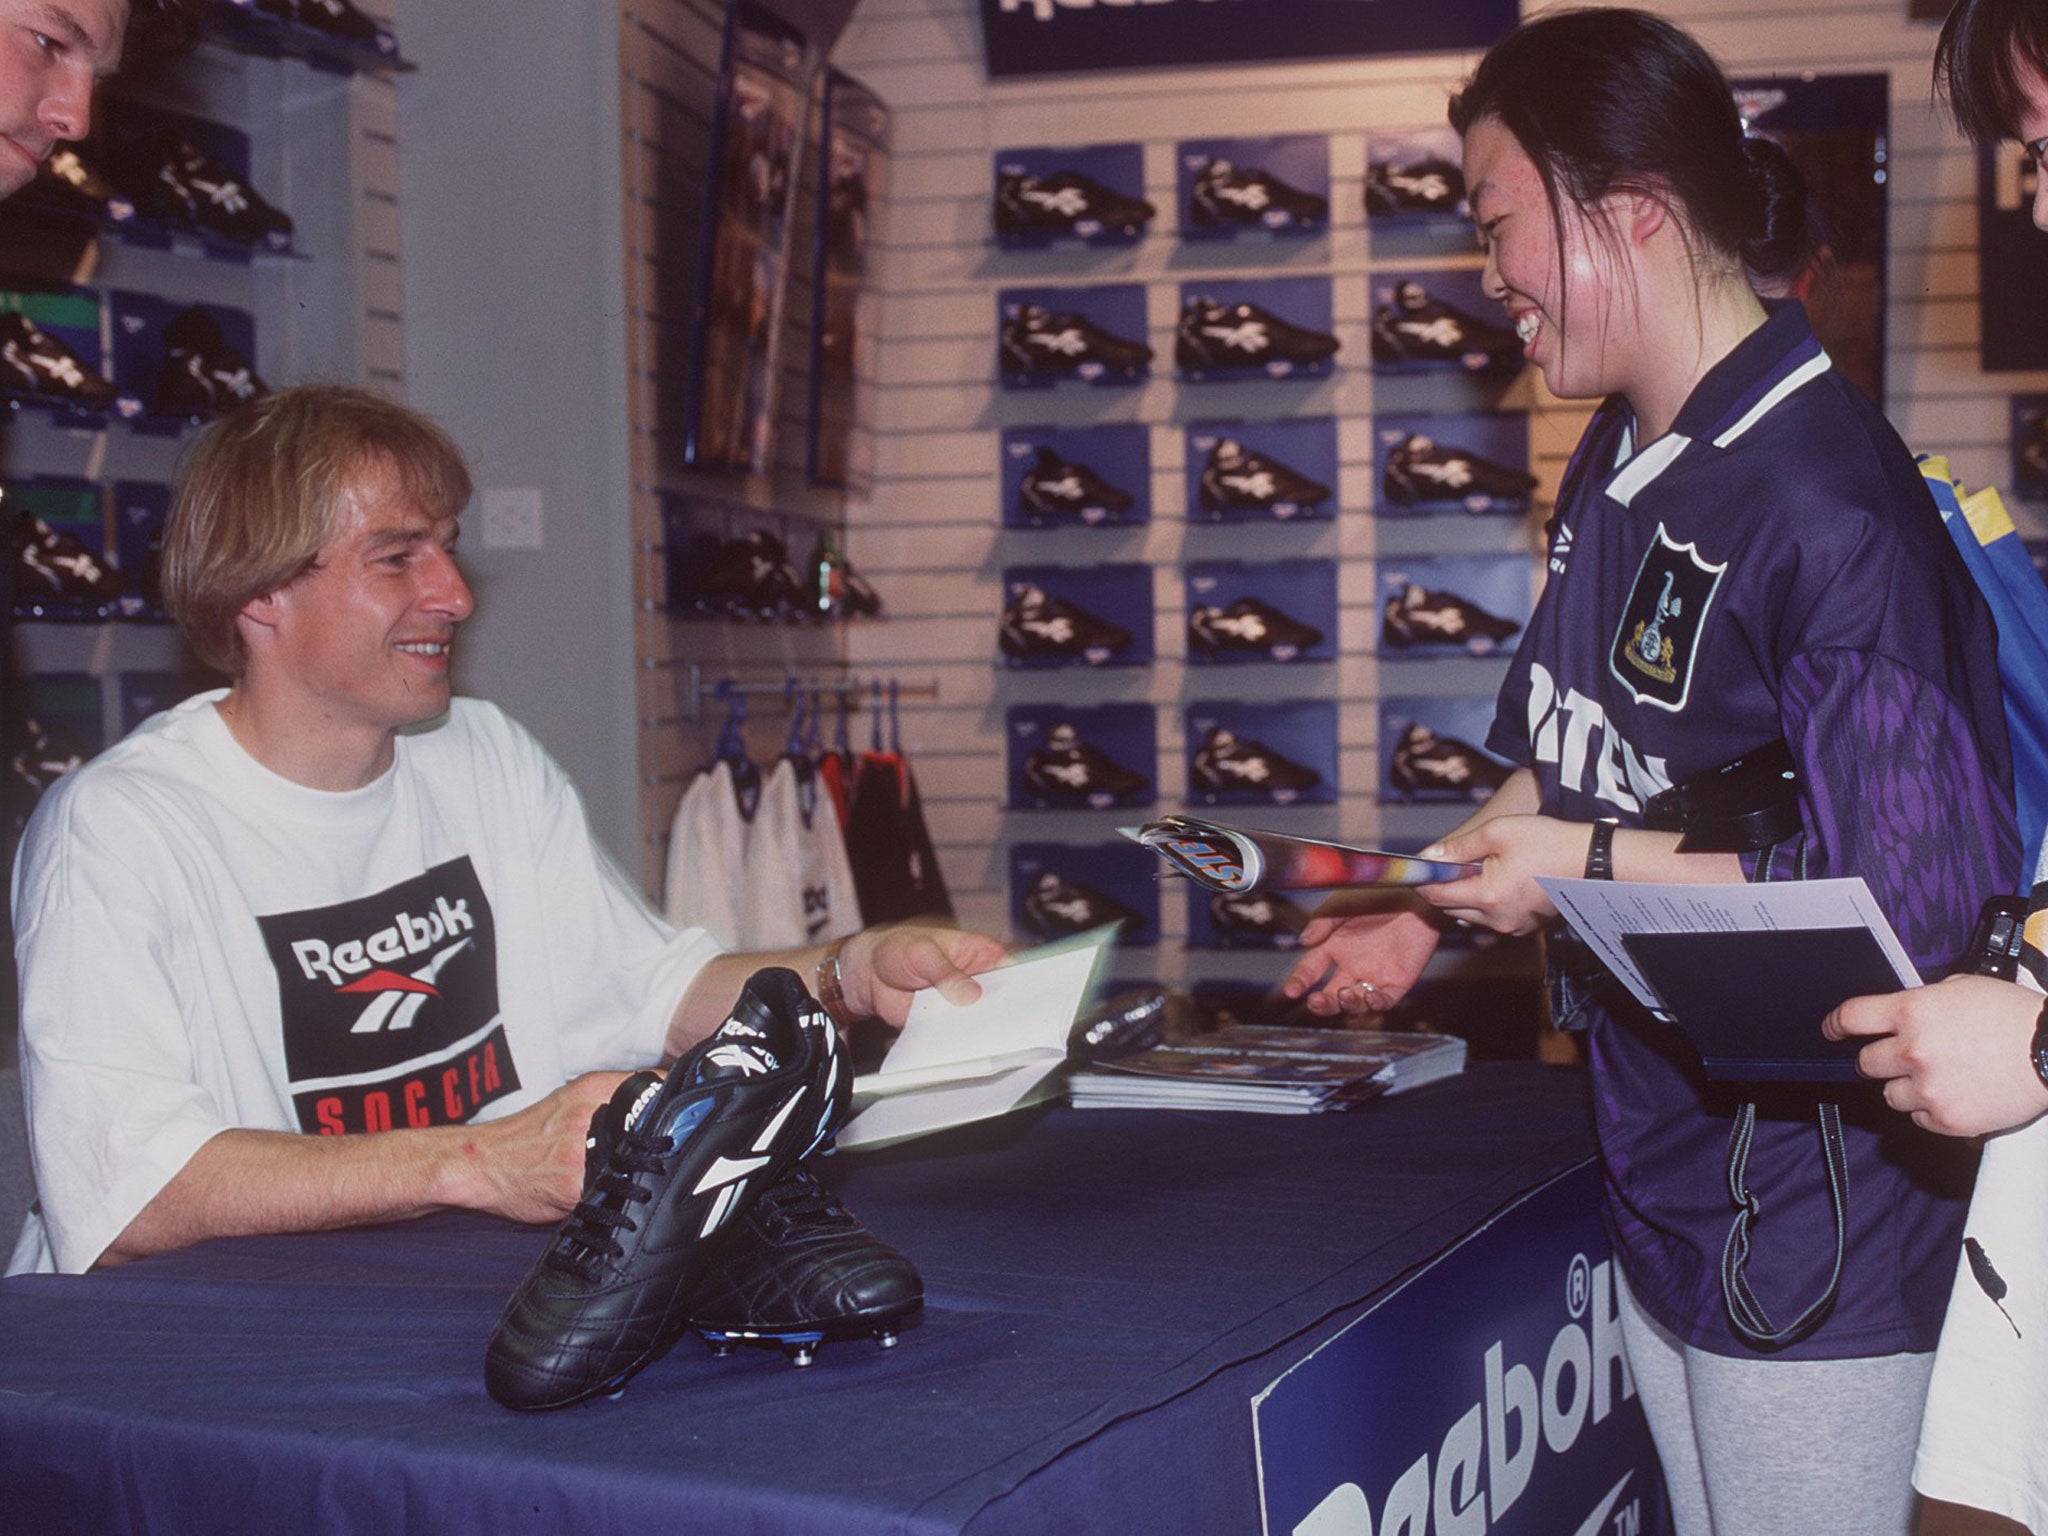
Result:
pixel 1433 321
pixel 1444 605
pixel 1283 610
pixel 853 164
pixel 1835 128
pixel 2012 261
pixel 1430 751
pixel 1416 180
pixel 1095 334
pixel 1278 753
pixel 1038 37
pixel 1081 757
pixel 764 92
pixel 1255 327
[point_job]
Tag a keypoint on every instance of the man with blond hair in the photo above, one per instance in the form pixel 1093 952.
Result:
pixel 330 946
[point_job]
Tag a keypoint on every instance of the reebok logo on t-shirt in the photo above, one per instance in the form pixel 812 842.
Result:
pixel 390 1005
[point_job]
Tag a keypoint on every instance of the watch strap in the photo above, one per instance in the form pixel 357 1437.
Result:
pixel 1600 852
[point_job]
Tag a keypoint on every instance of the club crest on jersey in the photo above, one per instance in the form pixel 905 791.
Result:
pixel 1658 641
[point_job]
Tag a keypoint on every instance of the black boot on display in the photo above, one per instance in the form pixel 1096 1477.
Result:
pixel 1243 335
pixel 1415 617
pixel 202 373
pixel 1240 479
pixel 800 1270
pixel 51 566
pixel 33 362
pixel 1039 344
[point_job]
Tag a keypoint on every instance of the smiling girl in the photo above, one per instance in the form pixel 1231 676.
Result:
pixel 1743 554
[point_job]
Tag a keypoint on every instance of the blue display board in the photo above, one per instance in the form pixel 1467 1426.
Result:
pixel 1060 889
pixel 1262 471
pixel 1034 37
pixel 1233 188
pixel 1279 611
pixel 1089 477
pixel 1076 616
pixel 1251 328
pixel 1093 757
pixel 1462 1404
pixel 1430 321
pixel 1446 605
pixel 1096 334
pixel 1434 750
pixel 1084 194
pixel 1280 753
pixel 1474 462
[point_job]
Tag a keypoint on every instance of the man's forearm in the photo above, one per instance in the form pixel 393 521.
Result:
pixel 244 1182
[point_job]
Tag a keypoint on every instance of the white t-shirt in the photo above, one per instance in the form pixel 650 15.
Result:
pixel 797 887
pixel 1984 1441
pixel 707 853
pixel 206 945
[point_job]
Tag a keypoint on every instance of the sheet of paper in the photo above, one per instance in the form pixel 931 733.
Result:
pixel 953 1064
pixel 1601 911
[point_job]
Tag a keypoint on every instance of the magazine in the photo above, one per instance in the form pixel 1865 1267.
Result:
pixel 1246 858
pixel 1271 1069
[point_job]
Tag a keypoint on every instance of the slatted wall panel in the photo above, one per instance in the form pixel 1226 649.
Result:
pixel 669 53
pixel 930 534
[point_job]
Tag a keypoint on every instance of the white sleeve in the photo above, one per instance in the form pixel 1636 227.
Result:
pixel 109 1079
pixel 621 968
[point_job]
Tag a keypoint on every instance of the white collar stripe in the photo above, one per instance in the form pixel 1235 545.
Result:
pixel 1647 466
pixel 1804 374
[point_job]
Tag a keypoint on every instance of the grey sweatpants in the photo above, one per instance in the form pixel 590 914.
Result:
pixel 1764 1447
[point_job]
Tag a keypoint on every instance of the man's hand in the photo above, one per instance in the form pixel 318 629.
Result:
pixel 1360 964
pixel 529 1166
pixel 883 967
pixel 1953 1056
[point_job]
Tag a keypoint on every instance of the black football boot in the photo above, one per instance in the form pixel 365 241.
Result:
pixel 1037 624
pixel 1429 764
pixel 1249 627
pixel 191 187
pixel 1240 479
pixel 1057 907
pixel 1430 185
pixel 752 577
pixel 1039 344
pixel 1420 471
pixel 1416 328
pixel 1070 769
pixel 800 1269
pixel 1066 203
pixel 1243 335
pixel 72 178
pixel 672 1163
pixel 1053 490
pixel 54 568
pixel 33 362
pixel 203 373
pixel 1225 196
pixel 1227 762
pixel 1415 617
pixel 1265 916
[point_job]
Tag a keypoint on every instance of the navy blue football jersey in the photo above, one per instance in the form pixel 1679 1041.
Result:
pixel 1773 567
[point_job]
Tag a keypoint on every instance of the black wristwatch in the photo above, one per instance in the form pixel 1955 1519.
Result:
pixel 2038 1052
pixel 1600 852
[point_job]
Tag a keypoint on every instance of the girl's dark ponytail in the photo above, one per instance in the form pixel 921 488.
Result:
pixel 1783 236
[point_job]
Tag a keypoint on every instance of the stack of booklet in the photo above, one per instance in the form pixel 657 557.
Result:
pixel 1272 1069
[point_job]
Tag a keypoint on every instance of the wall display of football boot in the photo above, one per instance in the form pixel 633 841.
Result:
pixel 1053 616
pixel 74 179
pixel 1429 751
pixel 1414 181
pixel 1077 477
pixel 1236 479
pixel 1086 194
pixel 1060 889
pixel 176 182
pixel 203 373
pixel 53 727
pixel 1261 471
pixel 58 575
pixel 1285 611
pixel 1235 187
pixel 1065 757
pixel 1447 604
pixel 1280 753
pixel 1278 327
pixel 331 34
pixel 1244 919
pixel 1473 463
pixel 49 356
pixel 1046 335
pixel 1429 321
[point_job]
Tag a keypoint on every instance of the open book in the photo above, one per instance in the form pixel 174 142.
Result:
pixel 1246 859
